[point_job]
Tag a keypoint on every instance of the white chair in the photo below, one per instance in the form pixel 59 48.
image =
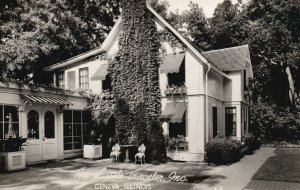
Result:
pixel 140 156
pixel 115 152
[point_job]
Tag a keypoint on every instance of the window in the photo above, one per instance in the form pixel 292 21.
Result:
pixel 61 80
pixel 177 79
pixel 84 79
pixel 106 84
pixel 230 121
pixel 76 129
pixel 33 125
pixel 176 129
pixel 245 79
pixel 9 121
pixel 49 125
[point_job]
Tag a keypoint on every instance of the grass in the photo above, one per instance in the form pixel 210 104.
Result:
pixel 284 166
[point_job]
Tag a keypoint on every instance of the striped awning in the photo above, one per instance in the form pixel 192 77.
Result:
pixel 173 112
pixel 101 73
pixel 46 100
pixel 172 63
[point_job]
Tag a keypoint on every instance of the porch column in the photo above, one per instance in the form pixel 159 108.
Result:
pixel 60 134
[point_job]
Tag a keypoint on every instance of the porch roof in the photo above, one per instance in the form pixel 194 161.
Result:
pixel 172 62
pixel 173 112
pixel 46 100
pixel 101 73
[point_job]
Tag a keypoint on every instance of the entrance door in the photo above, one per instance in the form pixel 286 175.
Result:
pixel 41 134
pixel 49 134
pixel 215 121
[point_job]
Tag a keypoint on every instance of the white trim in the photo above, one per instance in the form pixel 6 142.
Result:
pixel 113 34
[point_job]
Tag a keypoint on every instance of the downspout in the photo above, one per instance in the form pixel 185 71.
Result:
pixel 206 104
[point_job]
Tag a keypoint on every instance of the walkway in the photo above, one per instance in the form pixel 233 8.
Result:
pixel 238 175
pixel 102 174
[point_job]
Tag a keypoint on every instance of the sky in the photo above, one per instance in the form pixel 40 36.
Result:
pixel 207 5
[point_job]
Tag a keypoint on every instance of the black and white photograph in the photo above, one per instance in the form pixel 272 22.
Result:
pixel 149 94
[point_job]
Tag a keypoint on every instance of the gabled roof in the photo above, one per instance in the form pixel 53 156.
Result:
pixel 113 35
pixel 104 47
pixel 230 59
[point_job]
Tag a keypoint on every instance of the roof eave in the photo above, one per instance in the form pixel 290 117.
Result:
pixel 189 45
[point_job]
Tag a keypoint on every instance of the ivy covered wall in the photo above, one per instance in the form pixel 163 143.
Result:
pixel 135 81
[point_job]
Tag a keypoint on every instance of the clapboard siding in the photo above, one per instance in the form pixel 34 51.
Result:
pixel 243 87
pixel 233 87
pixel 95 86
pixel 196 123
pixel 193 75
pixel 215 85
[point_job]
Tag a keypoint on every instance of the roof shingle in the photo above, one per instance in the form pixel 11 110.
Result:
pixel 229 59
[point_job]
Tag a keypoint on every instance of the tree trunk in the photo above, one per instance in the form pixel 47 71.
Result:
pixel 291 86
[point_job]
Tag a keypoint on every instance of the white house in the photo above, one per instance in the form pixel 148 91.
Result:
pixel 202 96
pixel 202 92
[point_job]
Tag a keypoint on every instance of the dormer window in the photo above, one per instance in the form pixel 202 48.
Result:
pixel 84 78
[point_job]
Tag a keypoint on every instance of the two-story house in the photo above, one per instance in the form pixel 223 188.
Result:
pixel 202 97
pixel 202 92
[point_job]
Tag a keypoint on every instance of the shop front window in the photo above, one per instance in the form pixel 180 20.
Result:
pixel 9 121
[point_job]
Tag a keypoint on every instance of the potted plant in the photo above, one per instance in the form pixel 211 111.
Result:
pixel 182 142
pixel 13 156
pixel 93 148
pixel 178 142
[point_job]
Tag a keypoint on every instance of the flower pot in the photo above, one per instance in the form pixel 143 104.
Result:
pixel 182 145
pixel 92 151
pixel 13 161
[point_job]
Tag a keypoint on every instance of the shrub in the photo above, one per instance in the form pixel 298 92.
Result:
pixel 271 123
pixel 223 151
pixel 251 142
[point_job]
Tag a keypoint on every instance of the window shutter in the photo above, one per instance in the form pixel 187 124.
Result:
pixel 71 80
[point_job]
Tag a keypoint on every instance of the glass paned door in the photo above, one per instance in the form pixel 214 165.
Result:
pixel 49 125
pixel 49 134
pixel 41 134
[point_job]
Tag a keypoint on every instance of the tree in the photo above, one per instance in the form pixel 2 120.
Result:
pixel 197 26
pixel 135 81
pixel 226 25
pixel 274 37
pixel 161 7
pixel 35 34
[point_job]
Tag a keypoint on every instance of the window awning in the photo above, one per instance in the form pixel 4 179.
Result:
pixel 46 100
pixel 173 112
pixel 172 63
pixel 101 73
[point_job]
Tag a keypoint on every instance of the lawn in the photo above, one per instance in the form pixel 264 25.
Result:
pixel 284 166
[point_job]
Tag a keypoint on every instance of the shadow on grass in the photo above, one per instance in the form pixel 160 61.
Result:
pixel 284 166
